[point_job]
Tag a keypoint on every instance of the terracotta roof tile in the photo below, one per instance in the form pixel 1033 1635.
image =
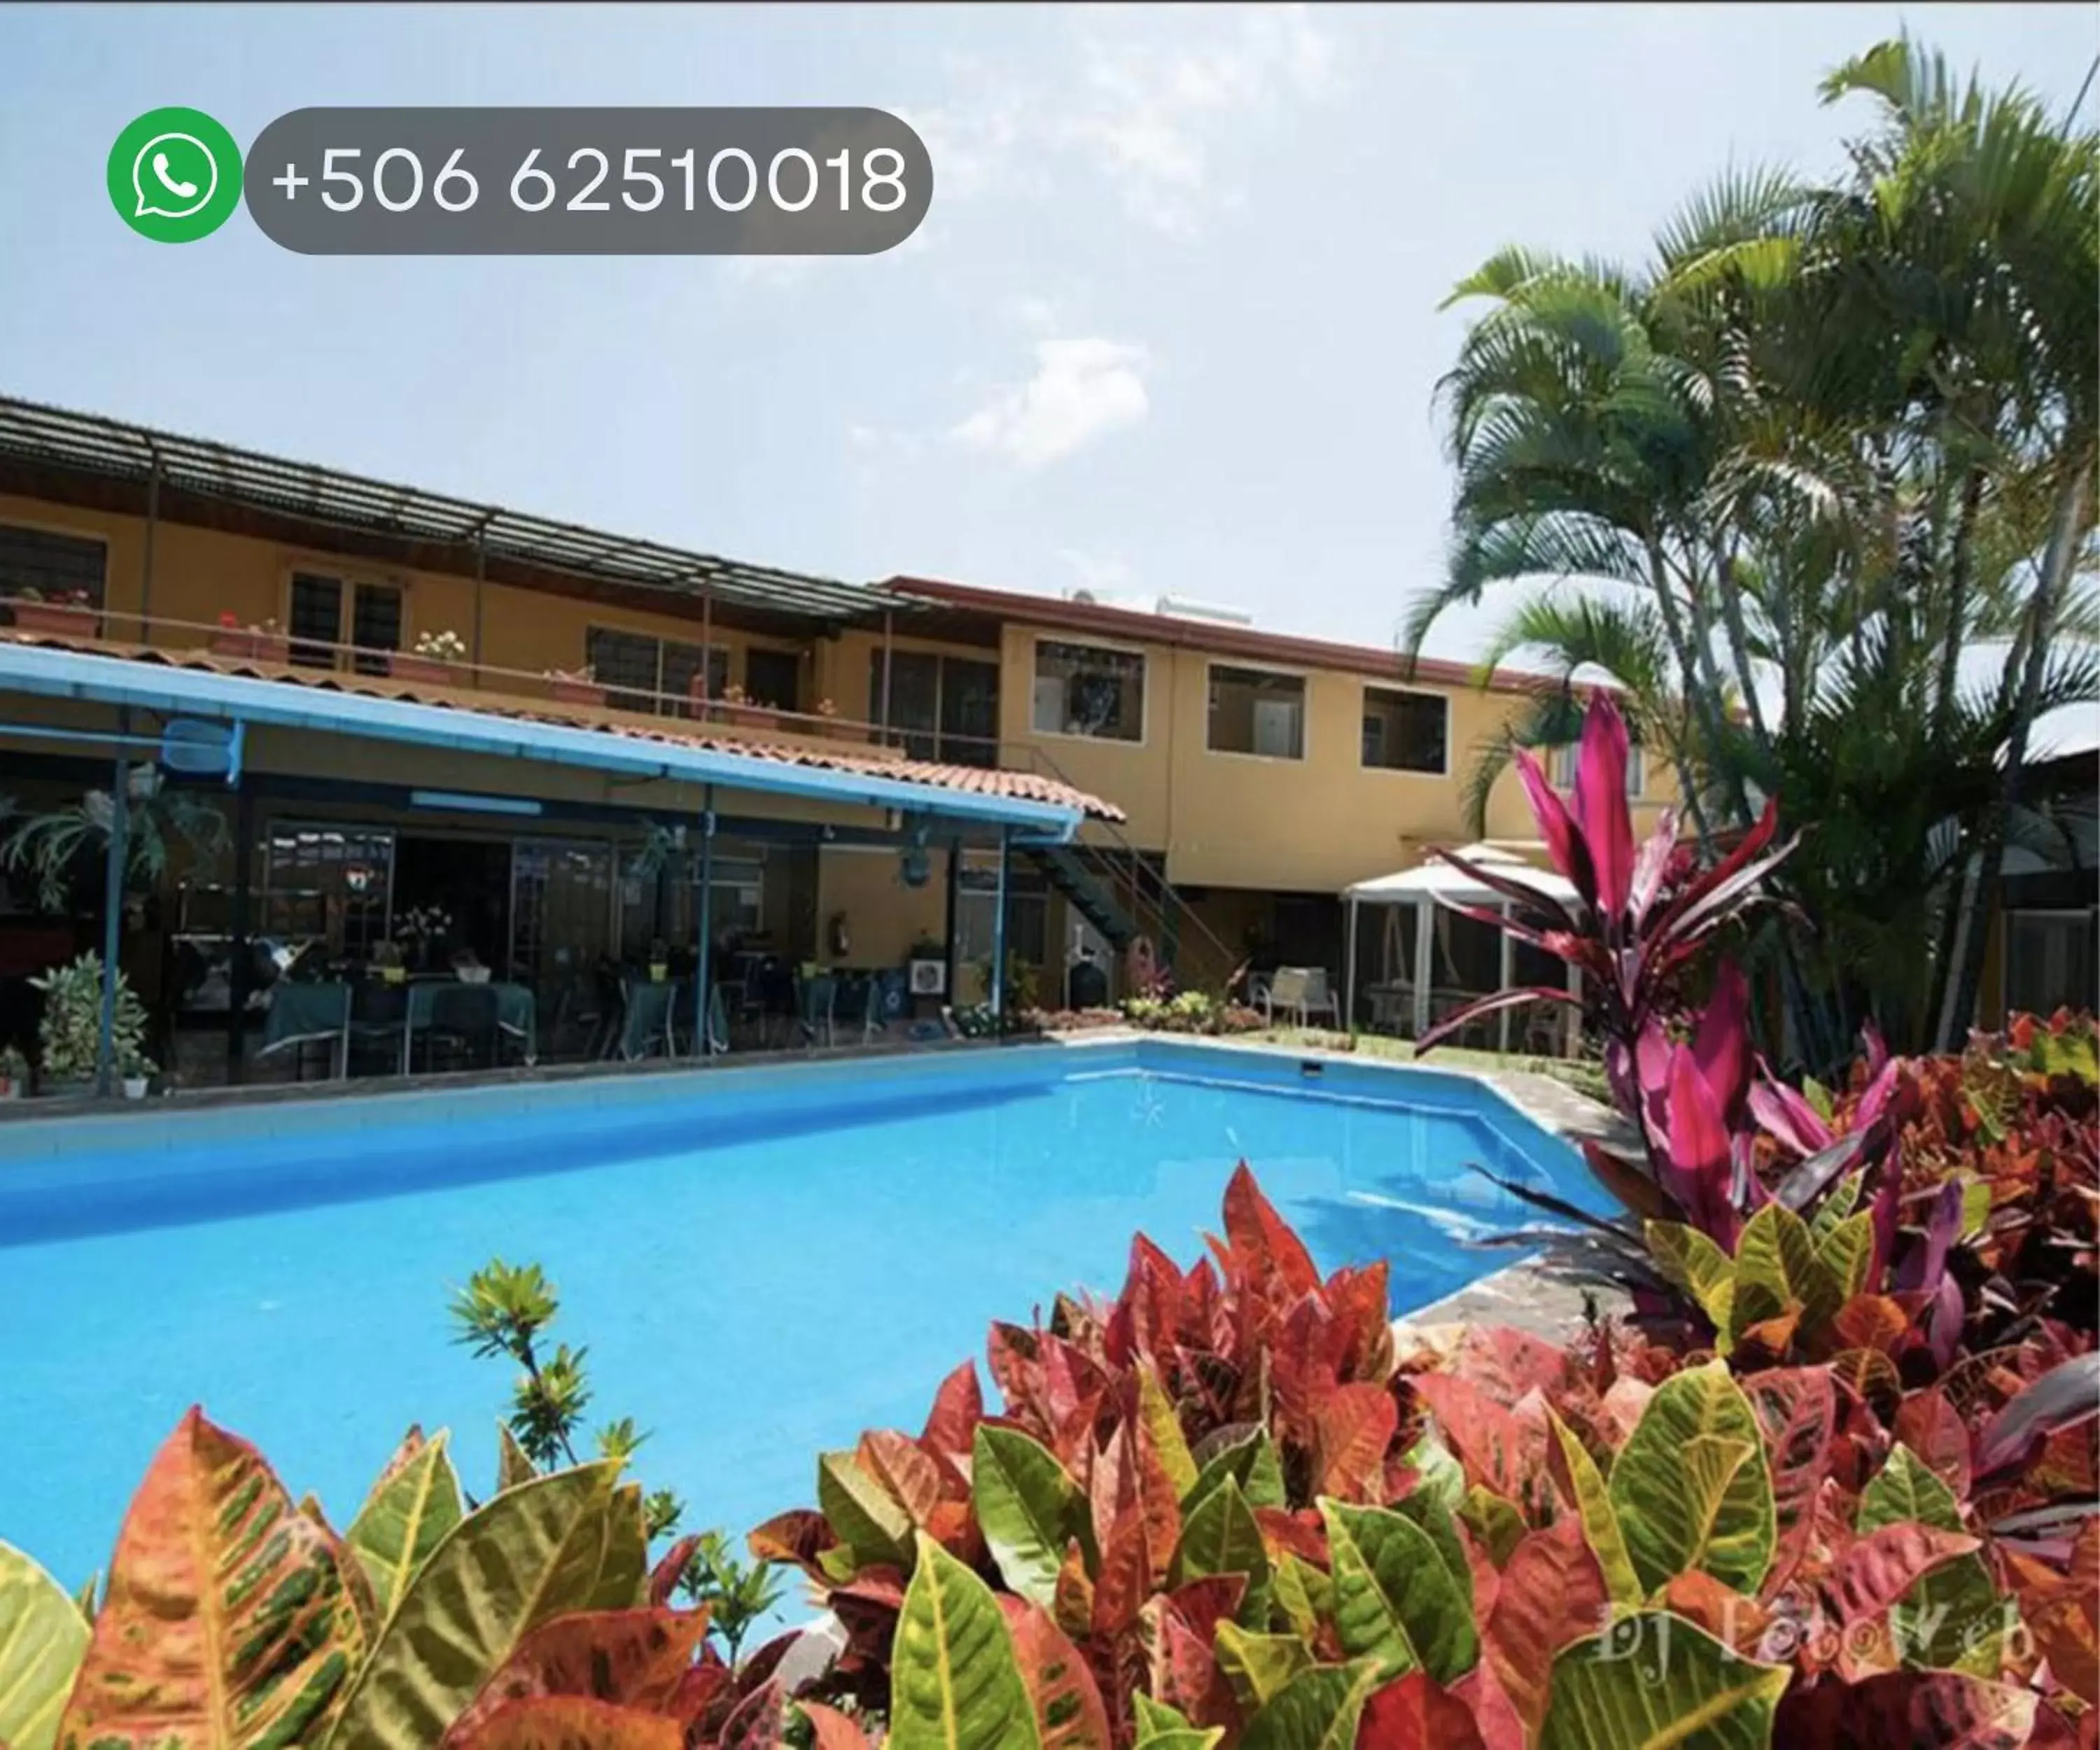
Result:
pixel 1026 786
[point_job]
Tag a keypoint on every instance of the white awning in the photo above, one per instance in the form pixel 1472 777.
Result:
pixel 1427 882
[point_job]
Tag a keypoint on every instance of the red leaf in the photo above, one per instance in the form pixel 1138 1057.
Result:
pixel 1148 1312
pixel 1932 1428
pixel 901 1467
pixel 1497 1448
pixel 1552 1593
pixel 831 1729
pixel 1599 804
pixel 570 1722
pixel 1263 1245
pixel 664 1578
pixel 797 1537
pixel 1721 1044
pixel 1564 844
pixel 1906 1710
pixel 1301 1533
pixel 1350 1430
pixel 1697 1170
pixel 1507 1362
pixel 1183 1668
pixel 1881 1567
pixel 951 1427
pixel 1724 1613
pixel 1797 1410
pixel 755 1721
pixel 1068 1702
pixel 1413 1713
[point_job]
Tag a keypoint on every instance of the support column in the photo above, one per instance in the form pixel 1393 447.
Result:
pixel 146 572
pixel 706 981
pixel 1425 911
pixel 948 925
pixel 999 935
pixel 1349 973
pixel 888 665
pixel 113 899
pixel 707 653
pixel 480 578
pixel 239 968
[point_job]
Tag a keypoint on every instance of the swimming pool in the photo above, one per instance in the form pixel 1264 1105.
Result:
pixel 763 1261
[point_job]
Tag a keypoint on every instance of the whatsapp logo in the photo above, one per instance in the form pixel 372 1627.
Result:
pixel 174 175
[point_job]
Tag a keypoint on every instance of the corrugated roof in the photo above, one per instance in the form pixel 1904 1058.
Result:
pixel 1021 787
pixel 118 449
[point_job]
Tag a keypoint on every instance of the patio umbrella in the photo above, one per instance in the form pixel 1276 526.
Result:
pixel 1426 884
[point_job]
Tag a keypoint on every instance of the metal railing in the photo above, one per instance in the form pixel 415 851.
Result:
pixel 1132 876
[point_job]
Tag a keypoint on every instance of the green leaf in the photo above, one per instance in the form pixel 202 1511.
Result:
pixel 1252 1463
pixel 415 1502
pixel 1836 1207
pixel 534 1552
pixel 1975 1204
pixel 955 1683
pixel 1160 1727
pixel 1776 1270
pixel 1029 1508
pixel 1316 1710
pixel 1395 1601
pixel 1846 1253
pixel 1442 1475
pixel 512 1465
pixel 1695 1264
pixel 43 1638
pixel 1435 1519
pixel 1494 1522
pixel 1668 1527
pixel 1303 1592
pixel 1818 1096
pixel 1600 1520
pixel 1655 1682
pixel 1953 1617
pixel 863 1515
pixel 1258 1665
pixel 1156 1410
pixel 1221 1536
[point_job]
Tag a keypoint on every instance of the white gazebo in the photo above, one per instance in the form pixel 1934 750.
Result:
pixel 1435 881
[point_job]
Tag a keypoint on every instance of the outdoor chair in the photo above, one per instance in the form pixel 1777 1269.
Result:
pixel 463 1032
pixel 645 1024
pixel 854 1003
pixel 378 1012
pixel 815 994
pixel 1302 992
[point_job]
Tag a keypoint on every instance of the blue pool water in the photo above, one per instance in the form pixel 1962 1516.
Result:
pixel 762 1263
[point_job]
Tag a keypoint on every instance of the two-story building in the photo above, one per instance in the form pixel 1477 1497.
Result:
pixel 469 730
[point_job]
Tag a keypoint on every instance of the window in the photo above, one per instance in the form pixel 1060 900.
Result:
pixel 1081 690
pixel 2049 960
pixel 737 904
pixel 329 884
pixel 1567 758
pixel 640 673
pixel 947 707
pixel 52 565
pixel 1406 732
pixel 1254 711
pixel 773 678
pixel 318 625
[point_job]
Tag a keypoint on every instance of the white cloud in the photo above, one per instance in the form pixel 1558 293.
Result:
pixel 1099 573
pixel 1082 390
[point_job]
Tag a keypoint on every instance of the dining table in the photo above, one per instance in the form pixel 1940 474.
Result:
pixel 302 1013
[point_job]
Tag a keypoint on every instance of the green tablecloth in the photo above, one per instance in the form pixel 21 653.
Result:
pixel 517 1010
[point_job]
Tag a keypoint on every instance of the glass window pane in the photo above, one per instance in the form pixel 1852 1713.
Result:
pixel 1254 711
pixel 55 565
pixel 681 668
pixel 375 625
pixel 915 700
pixel 625 665
pixel 1081 690
pixel 316 616
pixel 1406 732
pixel 969 712
pixel 773 678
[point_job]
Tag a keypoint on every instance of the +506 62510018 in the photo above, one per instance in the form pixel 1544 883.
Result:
pixel 574 181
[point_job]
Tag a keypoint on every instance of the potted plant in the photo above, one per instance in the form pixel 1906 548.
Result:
pixel 420 934
pixel 576 686
pixel 137 1070
pixel 68 614
pixel 738 710
pixel 13 1074
pixel 69 1034
pixel 255 642
pixel 660 962
pixel 386 961
pixel 828 713
pixel 436 657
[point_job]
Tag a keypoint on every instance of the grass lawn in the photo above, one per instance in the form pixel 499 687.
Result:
pixel 1585 1078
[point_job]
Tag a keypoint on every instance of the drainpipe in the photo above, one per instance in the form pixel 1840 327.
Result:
pixel 238 970
pixel 707 944
pixel 948 925
pixel 146 574
pixel 707 651
pixel 112 897
pixel 480 577
pixel 999 938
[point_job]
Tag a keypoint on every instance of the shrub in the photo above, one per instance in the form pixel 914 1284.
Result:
pixel 68 1035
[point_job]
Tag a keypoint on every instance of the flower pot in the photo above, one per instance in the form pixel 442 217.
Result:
pixel 393 975
pixel 56 617
pixel 750 717
pixel 430 670
pixel 657 972
pixel 578 693
pixel 135 1086
pixel 10 1088
pixel 251 647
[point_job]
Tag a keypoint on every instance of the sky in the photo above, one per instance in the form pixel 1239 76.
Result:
pixel 1172 325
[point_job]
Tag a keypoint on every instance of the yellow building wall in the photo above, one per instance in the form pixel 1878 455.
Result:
pixel 882 916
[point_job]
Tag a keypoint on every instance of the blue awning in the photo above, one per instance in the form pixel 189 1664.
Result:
pixel 171 690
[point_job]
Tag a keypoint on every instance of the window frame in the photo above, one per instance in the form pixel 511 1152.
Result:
pixel 1567 758
pixel 349 579
pixel 1143 737
pixel 662 703
pixel 36 526
pixel 1212 665
pixel 1363 711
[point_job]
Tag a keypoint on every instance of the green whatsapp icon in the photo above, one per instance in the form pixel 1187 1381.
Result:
pixel 174 175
